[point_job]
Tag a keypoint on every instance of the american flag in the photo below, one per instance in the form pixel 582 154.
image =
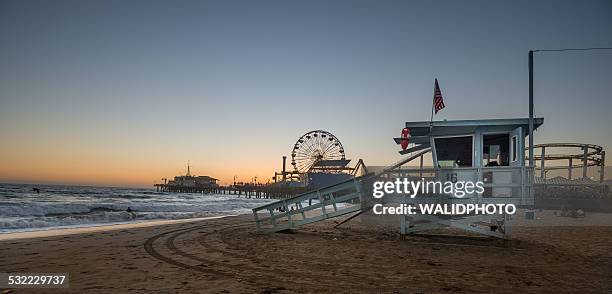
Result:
pixel 438 101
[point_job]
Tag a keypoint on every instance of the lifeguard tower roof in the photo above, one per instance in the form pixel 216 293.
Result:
pixel 449 127
pixel 421 131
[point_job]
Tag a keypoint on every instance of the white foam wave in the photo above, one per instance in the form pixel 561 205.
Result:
pixel 77 206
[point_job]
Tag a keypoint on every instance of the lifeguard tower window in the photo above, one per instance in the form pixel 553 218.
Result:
pixel 454 152
pixel 496 150
pixel 514 148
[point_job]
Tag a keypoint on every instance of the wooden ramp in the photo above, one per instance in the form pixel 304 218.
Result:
pixel 310 207
pixel 325 203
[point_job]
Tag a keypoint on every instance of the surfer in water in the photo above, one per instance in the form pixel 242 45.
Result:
pixel 36 190
pixel 131 212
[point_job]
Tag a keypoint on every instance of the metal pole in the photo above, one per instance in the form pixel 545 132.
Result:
pixel 433 100
pixel 284 169
pixel 531 164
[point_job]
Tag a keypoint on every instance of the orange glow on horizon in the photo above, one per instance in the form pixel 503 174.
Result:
pixel 130 177
pixel 85 164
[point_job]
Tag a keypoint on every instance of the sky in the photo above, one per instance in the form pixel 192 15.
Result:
pixel 124 93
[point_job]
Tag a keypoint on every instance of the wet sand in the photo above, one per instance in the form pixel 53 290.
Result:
pixel 227 256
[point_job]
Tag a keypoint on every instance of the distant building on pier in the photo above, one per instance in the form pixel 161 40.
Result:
pixel 192 181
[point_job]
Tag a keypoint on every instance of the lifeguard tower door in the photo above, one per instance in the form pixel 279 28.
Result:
pixel 517 150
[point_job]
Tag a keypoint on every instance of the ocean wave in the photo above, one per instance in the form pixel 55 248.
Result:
pixel 12 224
pixel 68 206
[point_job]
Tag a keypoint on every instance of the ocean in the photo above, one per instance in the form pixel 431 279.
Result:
pixel 56 206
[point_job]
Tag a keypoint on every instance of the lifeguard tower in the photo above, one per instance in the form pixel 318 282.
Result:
pixel 489 150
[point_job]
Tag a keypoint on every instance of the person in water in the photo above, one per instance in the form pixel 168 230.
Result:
pixel 131 212
pixel 36 190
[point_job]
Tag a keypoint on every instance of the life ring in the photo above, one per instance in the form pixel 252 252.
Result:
pixel 405 138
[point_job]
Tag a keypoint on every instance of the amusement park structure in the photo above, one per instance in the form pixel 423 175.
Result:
pixel 576 190
pixel 317 159
pixel 316 149
pixel 569 157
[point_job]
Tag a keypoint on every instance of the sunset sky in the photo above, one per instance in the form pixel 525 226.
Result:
pixel 126 92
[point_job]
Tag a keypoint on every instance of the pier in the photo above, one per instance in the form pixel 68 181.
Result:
pixel 247 190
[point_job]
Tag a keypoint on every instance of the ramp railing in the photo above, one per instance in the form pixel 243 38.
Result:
pixel 313 206
pixel 332 201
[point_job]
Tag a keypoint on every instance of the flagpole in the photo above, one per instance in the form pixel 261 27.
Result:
pixel 433 101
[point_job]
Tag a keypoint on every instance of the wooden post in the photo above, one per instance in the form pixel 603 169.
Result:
pixel 320 196
pixel 569 169
pixel 602 167
pixel 584 162
pixel 542 171
pixel 421 168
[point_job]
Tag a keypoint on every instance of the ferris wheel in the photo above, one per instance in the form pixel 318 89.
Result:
pixel 313 147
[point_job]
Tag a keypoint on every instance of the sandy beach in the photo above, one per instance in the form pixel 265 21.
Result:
pixel 227 256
